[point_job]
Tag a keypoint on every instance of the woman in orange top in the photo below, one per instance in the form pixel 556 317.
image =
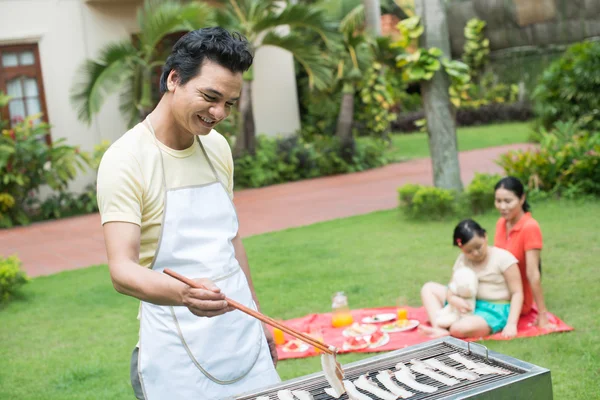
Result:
pixel 519 233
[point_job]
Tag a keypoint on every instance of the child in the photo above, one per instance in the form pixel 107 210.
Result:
pixel 499 292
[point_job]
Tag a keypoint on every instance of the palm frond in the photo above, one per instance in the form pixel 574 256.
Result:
pixel 300 16
pixel 353 21
pixel 312 60
pixel 159 18
pixel 96 79
pixel 128 99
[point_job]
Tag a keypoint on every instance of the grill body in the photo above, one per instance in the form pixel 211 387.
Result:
pixel 525 381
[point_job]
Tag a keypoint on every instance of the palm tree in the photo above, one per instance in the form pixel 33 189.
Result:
pixel 260 21
pixel 355 55
pixel 127 66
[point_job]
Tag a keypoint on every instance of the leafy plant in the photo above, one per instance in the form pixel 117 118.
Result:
pixel 259 21
pixel 569 88
pixel 376 96
pixel 567 162
pixel 425 202
pixel 11 277
pixel 419 64
pixel 279 160
pixel 480 192
pixel 27 162
pixel 476 48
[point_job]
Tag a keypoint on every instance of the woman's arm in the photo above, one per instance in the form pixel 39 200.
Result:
pixel 513 281
pixel 532 258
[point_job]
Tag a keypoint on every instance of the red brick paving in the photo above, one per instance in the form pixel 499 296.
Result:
pixel 54 246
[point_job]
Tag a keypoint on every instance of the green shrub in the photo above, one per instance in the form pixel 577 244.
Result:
pixel 434 202
pixel 480 192
pixel 407 192
pixel 11 277
pixel 569 88
pixel 279 160
pixel 27 162
pixel 567 162
pixel 425 202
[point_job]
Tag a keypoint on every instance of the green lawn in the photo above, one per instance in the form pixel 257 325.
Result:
pixel 415 145
pixel 70 335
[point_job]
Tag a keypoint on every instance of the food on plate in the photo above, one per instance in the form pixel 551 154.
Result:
pixel 404 376
pixel 356 343
pixel 422 368
pixel 400 325
pixel 368 385
pixel 448 370
pixel 385 377
pixel 378 339
pixel 359 330
pixel 333 376
pixel 295 346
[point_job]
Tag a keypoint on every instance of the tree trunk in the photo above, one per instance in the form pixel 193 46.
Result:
pixel 346 117
pixel 373 16
pixel 246 136
pixel 441 124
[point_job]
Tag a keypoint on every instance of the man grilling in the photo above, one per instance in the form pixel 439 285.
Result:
pixel 165 192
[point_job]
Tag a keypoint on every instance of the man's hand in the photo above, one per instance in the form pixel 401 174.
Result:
pixel 271 343
pixel 460 304
pixel 208 302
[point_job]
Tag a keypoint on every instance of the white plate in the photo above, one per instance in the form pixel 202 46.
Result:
pixel 378 318
pixel 391 328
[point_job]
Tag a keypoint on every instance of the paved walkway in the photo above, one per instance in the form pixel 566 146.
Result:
pixel 54 246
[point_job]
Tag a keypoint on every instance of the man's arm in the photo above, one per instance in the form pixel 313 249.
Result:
pixel 122 241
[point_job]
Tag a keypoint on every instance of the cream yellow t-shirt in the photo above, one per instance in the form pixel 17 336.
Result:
pixel 130 184
pixel 492 284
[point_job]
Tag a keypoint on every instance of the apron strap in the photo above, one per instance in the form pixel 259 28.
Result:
pixel 208 159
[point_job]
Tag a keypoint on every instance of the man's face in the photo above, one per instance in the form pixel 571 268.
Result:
pixel 205 100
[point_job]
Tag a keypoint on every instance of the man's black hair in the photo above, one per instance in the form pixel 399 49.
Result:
pixel 230 50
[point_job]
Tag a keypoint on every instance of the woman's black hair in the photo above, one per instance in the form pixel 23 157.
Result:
pixel 230 50
pixel 465 230
pixel 514 185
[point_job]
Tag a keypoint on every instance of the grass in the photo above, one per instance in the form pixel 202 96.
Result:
pixel 415 145
pixel 70 335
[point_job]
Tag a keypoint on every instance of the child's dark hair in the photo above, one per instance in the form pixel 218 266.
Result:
pixel 514 185
pixel 230 50
pixel 465 230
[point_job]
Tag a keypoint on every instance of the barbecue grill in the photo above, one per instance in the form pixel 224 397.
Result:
pixel 521 381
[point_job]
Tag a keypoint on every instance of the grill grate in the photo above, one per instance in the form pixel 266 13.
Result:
pixel 440 351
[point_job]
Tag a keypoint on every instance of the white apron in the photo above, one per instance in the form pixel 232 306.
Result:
pixel 183 356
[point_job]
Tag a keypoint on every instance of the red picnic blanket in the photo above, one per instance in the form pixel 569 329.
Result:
pixel 397 340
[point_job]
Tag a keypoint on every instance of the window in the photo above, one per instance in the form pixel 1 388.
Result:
pixel 21 78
